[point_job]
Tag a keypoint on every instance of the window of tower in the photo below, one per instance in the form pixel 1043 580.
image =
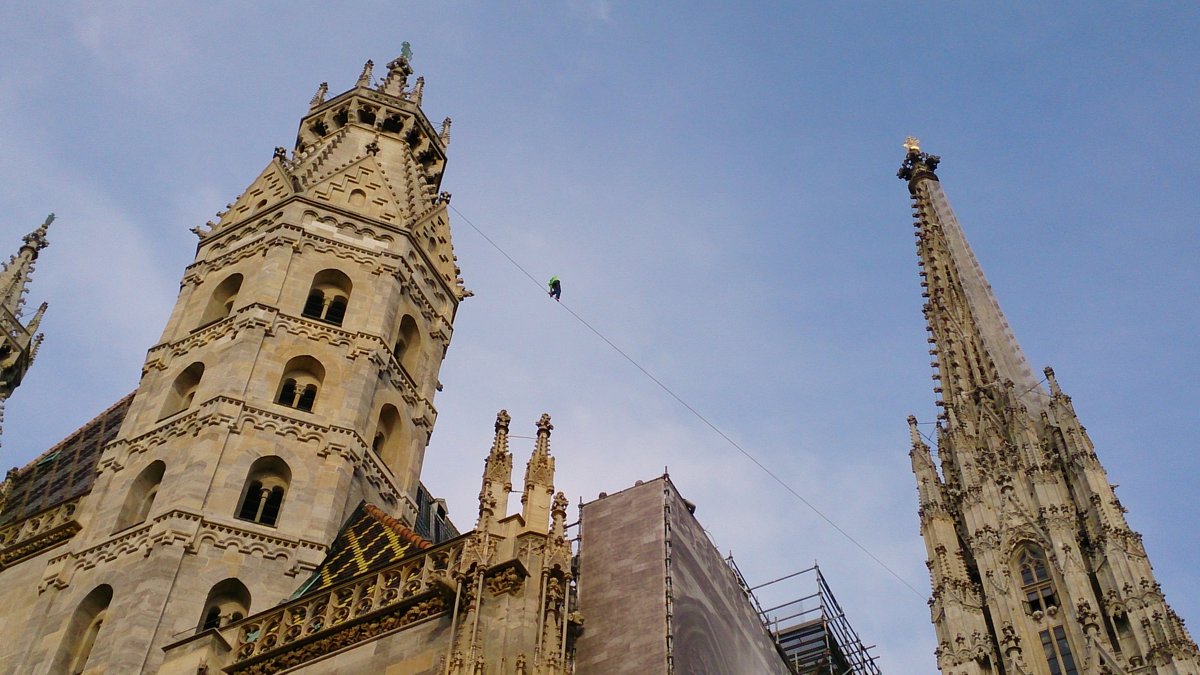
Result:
pixel 82 631
pixel 140 498
pixel 1058 652
pixel 1036 583
pixel 408 343
pixel 183 390
pixel 319 129
pixel 227 602
pixel 341 117
pixel 220 304
pixel 328 297
pixel 302 379
pixel 262 497
pixel 393 124
pixel 391 437
pixel 366 115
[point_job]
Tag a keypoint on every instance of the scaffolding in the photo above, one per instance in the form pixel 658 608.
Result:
pixel 812 631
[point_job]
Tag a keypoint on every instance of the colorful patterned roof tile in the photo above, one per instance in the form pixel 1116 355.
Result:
pixel 369 540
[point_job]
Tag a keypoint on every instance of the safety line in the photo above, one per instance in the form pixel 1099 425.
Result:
pixel 695 412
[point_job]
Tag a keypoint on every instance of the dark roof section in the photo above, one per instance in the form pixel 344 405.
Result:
pixel 369 540
pixel 65 471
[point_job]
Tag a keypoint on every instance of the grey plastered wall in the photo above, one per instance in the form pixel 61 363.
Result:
pixel 622 584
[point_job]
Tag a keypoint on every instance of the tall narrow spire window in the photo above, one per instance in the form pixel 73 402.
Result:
pixel 302 378
pixel 1036 583
pixel 328 297
pixel 183 390
pixel 1058 652
pixel 266 485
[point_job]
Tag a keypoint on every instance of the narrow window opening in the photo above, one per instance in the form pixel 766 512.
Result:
pixel 301 381
pixel 1035 580
pixel 263 496
pixel 393 124
pixel 329 296
pixel 227 602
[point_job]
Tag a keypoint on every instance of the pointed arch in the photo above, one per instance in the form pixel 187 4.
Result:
pixel 1033 571
pixel 183 390
pixel 228 602
pixel 140 498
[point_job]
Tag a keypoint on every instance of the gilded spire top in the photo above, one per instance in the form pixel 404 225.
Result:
pixel 917 164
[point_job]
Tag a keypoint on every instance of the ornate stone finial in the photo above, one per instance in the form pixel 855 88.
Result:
pixel 544 426
pixel 443 197
pixel 418 91
pixel 364 79
pixel 445 133
pixel 1055 390
pixel 372 148
pixel 319 97
pixel 502 418
pixel 280 153
pixel 917 164
pixel 406 51
pixel 914 432
pixel 397 77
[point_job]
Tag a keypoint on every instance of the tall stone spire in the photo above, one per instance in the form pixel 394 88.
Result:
pixel 1032 564
pixel 20 342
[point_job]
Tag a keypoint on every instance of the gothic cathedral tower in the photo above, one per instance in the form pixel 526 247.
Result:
pixel 1033 566
pixel 294 379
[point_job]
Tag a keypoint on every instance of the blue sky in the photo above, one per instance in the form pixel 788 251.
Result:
pixel 716 189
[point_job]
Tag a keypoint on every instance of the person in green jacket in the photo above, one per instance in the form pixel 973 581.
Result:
pixel 555 288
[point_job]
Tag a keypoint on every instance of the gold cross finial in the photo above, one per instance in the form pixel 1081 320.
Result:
pixel 912 144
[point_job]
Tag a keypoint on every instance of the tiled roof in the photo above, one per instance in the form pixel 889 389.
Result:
pixel 65 471
pixel 369 540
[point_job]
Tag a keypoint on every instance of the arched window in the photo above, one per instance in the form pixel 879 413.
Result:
pixel 391 437
pixel 266 485
pixel 223 297
pixel 183 390
pixel 1036 583
pixel 141 496
pixel 408 343
pixel 302 378
pixel 80 636
pixel 328 297
pixel 227 602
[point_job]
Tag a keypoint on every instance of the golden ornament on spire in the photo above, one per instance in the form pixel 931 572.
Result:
pixel 912 144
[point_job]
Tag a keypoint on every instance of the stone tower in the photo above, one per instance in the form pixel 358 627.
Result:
pixel 19 342
pixel 1033 566
pixel 294 379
